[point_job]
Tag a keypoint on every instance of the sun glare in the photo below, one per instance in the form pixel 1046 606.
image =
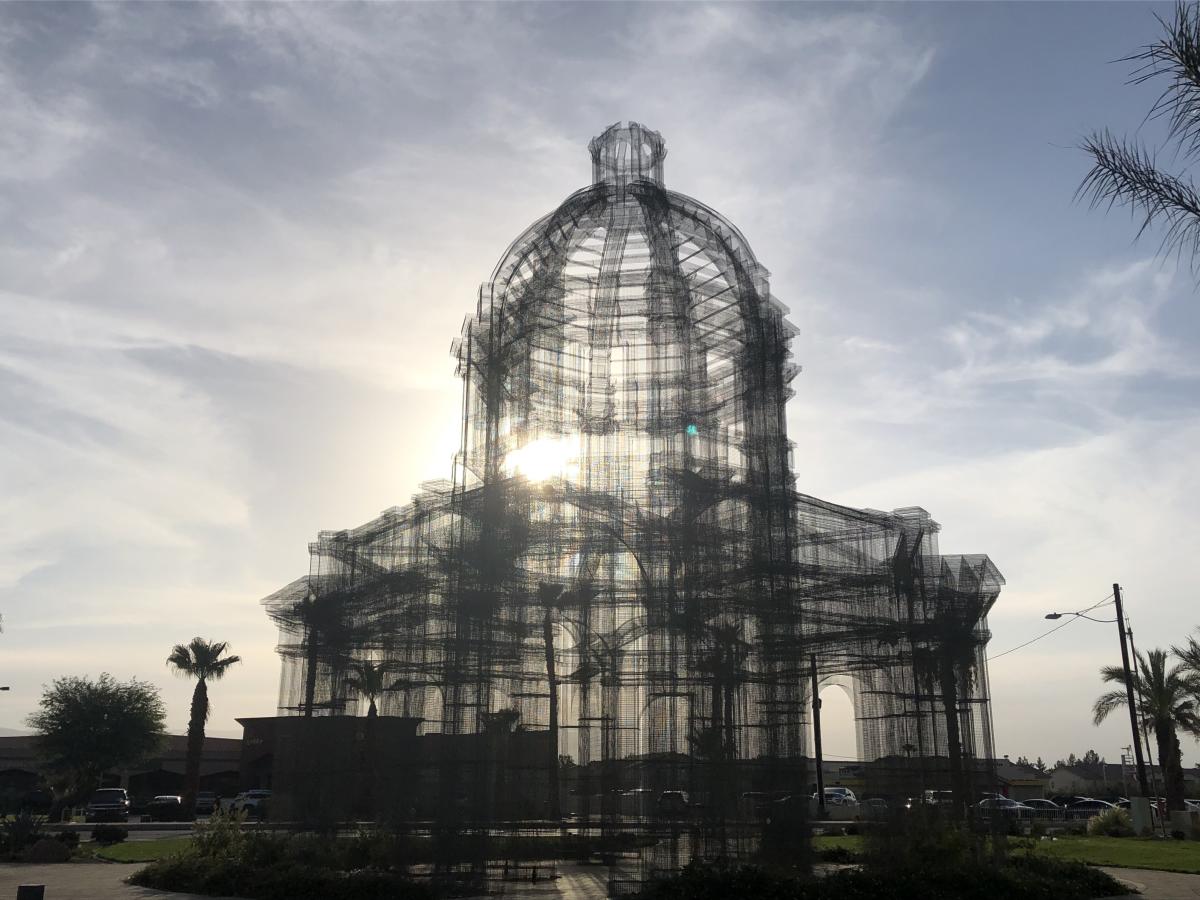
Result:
pixel 544 458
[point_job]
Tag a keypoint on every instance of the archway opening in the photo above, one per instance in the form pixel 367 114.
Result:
pixel 839 734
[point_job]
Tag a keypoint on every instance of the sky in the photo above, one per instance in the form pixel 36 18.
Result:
pixel 236 242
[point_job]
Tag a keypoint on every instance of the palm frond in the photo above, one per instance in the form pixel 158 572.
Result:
pixel 1176 56
pixel 1127 174
pixel 1105 704
pixel 1189 655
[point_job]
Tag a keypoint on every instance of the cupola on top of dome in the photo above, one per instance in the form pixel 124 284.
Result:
pixel 627 152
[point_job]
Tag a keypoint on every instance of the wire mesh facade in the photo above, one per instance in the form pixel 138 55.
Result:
pixel 622 562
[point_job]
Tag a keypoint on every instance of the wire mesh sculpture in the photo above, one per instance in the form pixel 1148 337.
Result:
pixel 615 602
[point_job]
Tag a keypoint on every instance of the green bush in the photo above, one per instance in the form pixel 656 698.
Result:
pixel 104 835
pixel 19 832
pixel 1024 878
pixel 221 837
pixel 68 838
pixel 1111 823
pixel 280 881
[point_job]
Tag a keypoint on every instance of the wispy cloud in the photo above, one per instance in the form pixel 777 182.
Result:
pixel 237 239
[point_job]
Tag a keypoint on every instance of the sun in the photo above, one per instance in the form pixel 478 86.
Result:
pixel 544 458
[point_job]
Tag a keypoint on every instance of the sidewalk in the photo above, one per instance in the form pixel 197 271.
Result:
pixel 1153 884
pixel 82 881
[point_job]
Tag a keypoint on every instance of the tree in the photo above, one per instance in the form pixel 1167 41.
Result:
pixel 1189 656
pixel 202 660
pixel 1166 700
pixel 1040 765
pixel 1126 173
pixel 368 679
pixel 550 598
pixel 86 728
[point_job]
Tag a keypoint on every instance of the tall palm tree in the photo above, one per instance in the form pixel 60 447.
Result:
pixel 1166 696
pixel 368 679
pixel 201 660
pixel 1189 656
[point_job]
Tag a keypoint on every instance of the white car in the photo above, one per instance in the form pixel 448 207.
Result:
pixel 252 803
pixel 838 796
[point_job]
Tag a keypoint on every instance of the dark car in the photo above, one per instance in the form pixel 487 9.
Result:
pixel 108 805
pixel 673 804
pixel 206 803
pixel 165 808
pixel 1044 808
pixel 37 801
pixel 1005 807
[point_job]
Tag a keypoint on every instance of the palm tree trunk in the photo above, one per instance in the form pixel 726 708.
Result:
pixel 552 687
pixel 949 686
pixel 195 744
pixel 310 673
pixel 1169 757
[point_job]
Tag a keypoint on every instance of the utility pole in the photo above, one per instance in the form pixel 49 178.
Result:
pixel 1133 719
pixel 816 705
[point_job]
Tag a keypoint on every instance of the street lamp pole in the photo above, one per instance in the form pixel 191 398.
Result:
pixel 1133 722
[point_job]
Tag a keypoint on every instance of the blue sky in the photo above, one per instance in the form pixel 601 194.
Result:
pixel 236 242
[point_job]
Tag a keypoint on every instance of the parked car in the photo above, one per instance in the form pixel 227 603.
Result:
pixel 1085 809
pixel 1044 808
pixel 874 808
pixel 931 798
pixel 673 803
pixel 207 803
pixel 108 805
pixel 252 803
pixel 838 796
pixel 37 801
pixel 1005 807
pixel 165 808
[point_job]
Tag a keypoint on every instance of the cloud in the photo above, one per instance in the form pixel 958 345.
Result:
pixel 236 241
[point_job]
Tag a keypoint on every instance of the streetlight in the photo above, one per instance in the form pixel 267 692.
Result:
pixel 1121 631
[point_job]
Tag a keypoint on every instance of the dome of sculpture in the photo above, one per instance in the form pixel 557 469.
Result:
pixel 633 309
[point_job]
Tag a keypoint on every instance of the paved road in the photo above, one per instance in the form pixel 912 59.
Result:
pixel 1155 885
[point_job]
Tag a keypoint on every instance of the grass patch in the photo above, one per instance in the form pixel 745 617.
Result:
pixel 1127 852
pixel 852 843
pixel 143 851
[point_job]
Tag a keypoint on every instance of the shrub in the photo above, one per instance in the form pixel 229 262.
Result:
pixel 104 835
pixel 48 850
pixel 221 837
pixel 69 839
pixel 281 881
pixel 1111 823
pixel 21 831
pixel 1025 878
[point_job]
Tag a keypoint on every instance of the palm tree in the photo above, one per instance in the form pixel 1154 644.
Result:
pixel 1126 173
pixel 1189 656
pixel 367 679
pixel 550 597
pixel 201 660
pixel 1167 703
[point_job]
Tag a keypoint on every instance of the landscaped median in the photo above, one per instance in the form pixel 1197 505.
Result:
pixel 1165 854
pixel 142 851
pixel 1129 852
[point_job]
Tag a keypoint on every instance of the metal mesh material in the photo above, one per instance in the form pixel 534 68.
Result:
pixel 622 561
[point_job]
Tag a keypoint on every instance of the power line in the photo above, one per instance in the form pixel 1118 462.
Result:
pixel 1044 634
